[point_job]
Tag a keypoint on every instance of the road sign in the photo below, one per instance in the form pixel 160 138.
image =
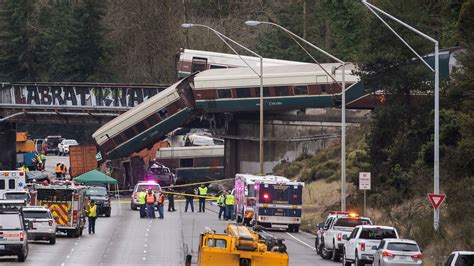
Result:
pixel 364 180
pixel 436 199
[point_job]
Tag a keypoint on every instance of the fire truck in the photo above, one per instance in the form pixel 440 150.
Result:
pixel 240 246
pixel 270 201
pixel 67 201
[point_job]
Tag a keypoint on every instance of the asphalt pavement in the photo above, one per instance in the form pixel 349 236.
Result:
pixel 125 239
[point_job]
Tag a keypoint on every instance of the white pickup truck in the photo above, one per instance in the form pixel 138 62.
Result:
pixel 362 243
pixel 340 226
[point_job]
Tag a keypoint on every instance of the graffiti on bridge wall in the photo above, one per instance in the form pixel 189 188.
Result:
pixel 83 96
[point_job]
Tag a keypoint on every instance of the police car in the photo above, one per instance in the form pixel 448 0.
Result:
pixel 13 233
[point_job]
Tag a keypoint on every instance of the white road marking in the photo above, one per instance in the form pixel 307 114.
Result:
pixel 144 251
pixel 299 240
pixel 144 258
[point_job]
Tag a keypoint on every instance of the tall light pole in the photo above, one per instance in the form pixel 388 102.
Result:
pixel 343 107
pixel 260 75
pixel 372 9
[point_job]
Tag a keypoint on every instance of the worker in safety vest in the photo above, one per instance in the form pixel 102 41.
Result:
pixel 63 170
pixel 92 216
pixel 42 158
pixel 58 171
pixel 202 200
pixel 221 204
pixel 150 203
pixel 229 206
pixel 24 168
pixel 142 202
pixel 161 203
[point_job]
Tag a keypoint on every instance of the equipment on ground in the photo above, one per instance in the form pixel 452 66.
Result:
pixel 240 246
pixel 67 201
pixel 270 201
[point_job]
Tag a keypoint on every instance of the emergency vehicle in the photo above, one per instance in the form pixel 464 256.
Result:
pixel 11 181
pixel 67 201
pixel 270 201
pixel 240 246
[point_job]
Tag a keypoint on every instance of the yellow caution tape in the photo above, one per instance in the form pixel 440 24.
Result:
pixel 184 185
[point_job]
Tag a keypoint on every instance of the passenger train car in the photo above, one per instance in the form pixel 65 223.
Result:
pixel 285 87
pixel 193 163
pixel 190 61
pixel 148 122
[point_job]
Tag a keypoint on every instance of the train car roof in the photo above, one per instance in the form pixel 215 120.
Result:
pixel 234 60
pixel 142 107
pixel 272 76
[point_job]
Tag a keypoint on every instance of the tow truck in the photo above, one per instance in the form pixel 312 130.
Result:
pixel 67 201
pixel 270 201
pixel 240 246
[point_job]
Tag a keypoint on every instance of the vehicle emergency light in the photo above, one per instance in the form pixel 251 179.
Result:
pixel 22 236
pixel 362 246
pixel 295 196
pixel 22 173
pixel 266 196
pixel 74 215
pixel 339 236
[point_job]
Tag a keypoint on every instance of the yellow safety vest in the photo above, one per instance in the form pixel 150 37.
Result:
pixel 141 197
pixel 229 199
pixel 93 211
pixel 202 191
pixel 220 200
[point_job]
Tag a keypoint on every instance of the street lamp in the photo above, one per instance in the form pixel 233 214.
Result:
pixel 371 7
pixel 260 75
pixel 343 107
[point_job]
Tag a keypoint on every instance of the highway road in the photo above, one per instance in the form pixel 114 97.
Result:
pixel 125 239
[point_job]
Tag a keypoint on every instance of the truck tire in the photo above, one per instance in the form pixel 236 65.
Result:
pixel 52 240
pixel 336 255
pixel 345 262
pixel 23 254
pixel 107 213
pixel 357 262
pixel 325 254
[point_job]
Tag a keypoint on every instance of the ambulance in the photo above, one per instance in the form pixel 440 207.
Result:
pixel 11 181
pixel 67 201
pixel 270 201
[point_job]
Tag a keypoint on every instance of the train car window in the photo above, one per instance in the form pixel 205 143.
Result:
pixel 141 126
pixel 129 133
pixel 301 90
pixel 324 88
pixel 186 162
pixel 198 64
pixel 153 119
pixel 217 67
pixel 281 91
pixel 2 184
pixel 243 92
pixel 266 92
pixel 163 113
pixel 225 93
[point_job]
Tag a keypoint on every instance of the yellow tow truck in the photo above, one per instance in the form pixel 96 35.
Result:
pixel 240 246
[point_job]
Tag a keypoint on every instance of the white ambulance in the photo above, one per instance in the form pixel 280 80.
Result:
pixel 12 181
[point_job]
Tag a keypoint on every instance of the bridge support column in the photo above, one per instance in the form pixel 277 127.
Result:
pixel 7 146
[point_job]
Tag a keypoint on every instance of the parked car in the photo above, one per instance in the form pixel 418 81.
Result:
pixel 63 147
pixel 101 198
pixel 44 224
pixel 362 243
pixel 50 144
pixel 139 187
pixel 398 252
pixel 14 240
pixel 460 258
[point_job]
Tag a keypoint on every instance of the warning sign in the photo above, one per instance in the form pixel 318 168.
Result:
pixel 436 199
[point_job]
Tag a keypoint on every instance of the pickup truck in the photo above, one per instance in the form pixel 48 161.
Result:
pixel 342 225
pixel 63 146
pixel 362 243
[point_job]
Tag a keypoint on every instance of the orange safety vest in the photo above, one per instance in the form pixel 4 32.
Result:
pixel 64 170
pixel 150 198
pixel 58 169
pixel 161 199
